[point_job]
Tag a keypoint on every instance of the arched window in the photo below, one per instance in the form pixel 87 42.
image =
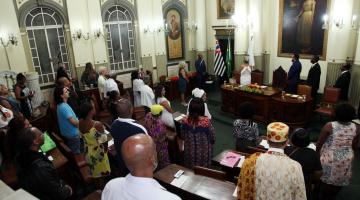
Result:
pixel 120 42
pixel 45 31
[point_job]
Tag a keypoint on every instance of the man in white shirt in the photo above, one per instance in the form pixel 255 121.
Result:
pixel 110 85
pixel 101 81
pixel 139 154
pixel 147 95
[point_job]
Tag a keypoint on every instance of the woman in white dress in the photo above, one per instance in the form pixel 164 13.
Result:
pixel 166 115
pixel 137 84
pixel 245 72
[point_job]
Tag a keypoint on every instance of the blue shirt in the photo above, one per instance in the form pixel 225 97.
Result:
pixel 120 130
pixel 64 113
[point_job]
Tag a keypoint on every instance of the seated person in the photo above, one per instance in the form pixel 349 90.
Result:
pixel 198 134
pixel 200 93
pixel 67 119
pixel 35 171
pixel 122 128
pixel 7 101
pixel 5 116
pixel 308 158
pixel 89 76
pixel 157 130
pixel 245 130
pixel 92 131
pixel 166 115
pixel 139 153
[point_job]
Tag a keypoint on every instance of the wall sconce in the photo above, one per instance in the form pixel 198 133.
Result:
pixel 192 26
pixel 147 29
pixel 354 22
pixel 339 22
pixel 78 35
pixel 97 33
pixel 11 41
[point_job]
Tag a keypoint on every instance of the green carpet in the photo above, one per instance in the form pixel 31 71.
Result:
pixel 222 123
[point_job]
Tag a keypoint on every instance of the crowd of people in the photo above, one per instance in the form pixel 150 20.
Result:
pixel 287 170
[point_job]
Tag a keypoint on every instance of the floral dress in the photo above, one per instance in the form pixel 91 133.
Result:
pixel 336 155
pixel 96 156
pixel 157 130
pixel 198 142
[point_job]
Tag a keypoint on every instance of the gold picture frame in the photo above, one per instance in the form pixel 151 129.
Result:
pixel 301 28
pixel 225 9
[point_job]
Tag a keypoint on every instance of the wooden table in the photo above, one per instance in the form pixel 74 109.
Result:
pixel 269 106
pixel 232 97
pixel 196 186
pixel 172 88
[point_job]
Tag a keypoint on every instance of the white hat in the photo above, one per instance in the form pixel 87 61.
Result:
pixel 198 92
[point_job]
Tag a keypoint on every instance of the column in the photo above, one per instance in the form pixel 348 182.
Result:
pixel 240 35
pixel 255 31
pixel 32 80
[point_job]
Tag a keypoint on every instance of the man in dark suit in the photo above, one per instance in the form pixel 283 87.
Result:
pixel 343 81
pixel 313 78
pixel 200 71
pixel 294 74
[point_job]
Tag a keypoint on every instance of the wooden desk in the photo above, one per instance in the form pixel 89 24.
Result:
pixel 172 88
pixel 292 111
pixel 232 97
pixel 89 93
pixel 196 186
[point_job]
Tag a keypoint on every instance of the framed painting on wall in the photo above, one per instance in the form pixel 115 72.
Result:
pixel 174 35
pixel 301 28
pixel 225 9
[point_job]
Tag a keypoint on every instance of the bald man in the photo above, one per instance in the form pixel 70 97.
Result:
pixel 139 153
pixel 122 128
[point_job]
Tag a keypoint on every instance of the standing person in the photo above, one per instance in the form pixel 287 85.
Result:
pixel 23 95
pixel 89 76
pixel 183 81
pixel 122 128
pixel 36 173
pixel 166 115
pixel 67 120
pixel 73 100
pixel 198 134
pixel 272 175
pixel 61 72
pixel 139 153
pixel 147 95
pixel 200 71
pixel 313 78
pixel 199 93
pixel 157 130
pixel 336 145
pixel 308 159
pixel 245 130
pixel 110 85
pixel 294 74
pixel 137 84
pixel 343 81
pixel 92 132
pixel 245 72
pixel 101 81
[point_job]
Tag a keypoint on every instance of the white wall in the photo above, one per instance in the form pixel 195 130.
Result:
pixel 9 25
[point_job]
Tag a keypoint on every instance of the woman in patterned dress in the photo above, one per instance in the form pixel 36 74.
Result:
pixel 157 130
pixel 245 130
pixel 336 146
pixel 198 134
pixel 96 155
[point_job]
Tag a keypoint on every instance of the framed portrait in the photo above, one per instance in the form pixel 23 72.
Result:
pixel 225 9
pixel 300 28
pixel 174 35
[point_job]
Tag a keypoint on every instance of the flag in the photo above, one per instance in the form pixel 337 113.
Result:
pixel 229 59
pixel 219 65
pixel 251 50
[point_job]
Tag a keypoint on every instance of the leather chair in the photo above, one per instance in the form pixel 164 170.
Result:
pixel 330 98
pixel 279 78
pixel 304 90
pixel 257 77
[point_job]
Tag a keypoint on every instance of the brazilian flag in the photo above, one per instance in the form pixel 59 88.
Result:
pixel 229 59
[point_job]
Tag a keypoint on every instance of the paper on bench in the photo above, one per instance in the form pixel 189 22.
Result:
pixel 178 118
pixel 241 162
pixel 235 192
pixel 265 144
pixel 178 182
